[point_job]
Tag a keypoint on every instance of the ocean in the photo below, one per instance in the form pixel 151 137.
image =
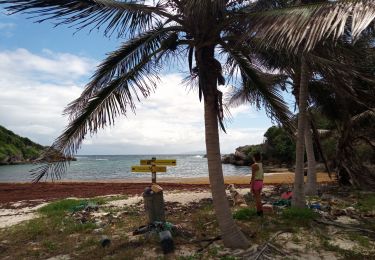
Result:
pixel 110 167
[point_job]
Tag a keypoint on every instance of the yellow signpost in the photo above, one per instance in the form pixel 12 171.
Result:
pixel 149 168
pixel 171 162
pixel 154 166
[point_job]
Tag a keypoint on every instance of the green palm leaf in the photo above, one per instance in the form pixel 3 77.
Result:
pixel 258 87
pixel 118 62
pixel 303 27
pixel 99 111
pixel 116 16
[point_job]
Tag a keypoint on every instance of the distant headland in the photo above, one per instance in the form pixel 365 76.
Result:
pixel 15 149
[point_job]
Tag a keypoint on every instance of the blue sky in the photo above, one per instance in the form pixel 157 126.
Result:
pixel 44 68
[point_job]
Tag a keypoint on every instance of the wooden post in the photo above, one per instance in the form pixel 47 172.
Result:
pixel 153 170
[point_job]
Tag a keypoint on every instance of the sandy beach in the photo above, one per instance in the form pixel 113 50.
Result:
pixel 46 191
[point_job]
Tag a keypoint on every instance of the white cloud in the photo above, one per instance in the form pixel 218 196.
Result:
pixel 172 119
pixel 6 29
pixel 7 26
pixel 63 68
pixel 34 89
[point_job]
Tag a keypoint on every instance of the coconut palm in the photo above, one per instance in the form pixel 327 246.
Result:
pixel 332 64
pixel 294 66
pixel 155 34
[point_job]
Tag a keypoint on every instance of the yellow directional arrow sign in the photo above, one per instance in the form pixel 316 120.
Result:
pixel 171 162
pixel 149 168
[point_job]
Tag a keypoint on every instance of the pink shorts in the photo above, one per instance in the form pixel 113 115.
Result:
pixel 257 185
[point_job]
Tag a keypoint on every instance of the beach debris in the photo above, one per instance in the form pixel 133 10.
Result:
pixel 163 229
pixel 155 227
pixel 105 241
pixel 287 195
pixel 267 208
pixel 282 203
pixel 315 206
pixel 60 257
pixel 337 212
pixel 98 230
pixel 266 251
pixel 86 206
pixel 166 241
pixel 3 247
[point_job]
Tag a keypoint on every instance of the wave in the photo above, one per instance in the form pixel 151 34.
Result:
pixel 101 159
pixel 198 156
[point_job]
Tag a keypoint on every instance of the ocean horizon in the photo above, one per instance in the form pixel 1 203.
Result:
pixel 118 167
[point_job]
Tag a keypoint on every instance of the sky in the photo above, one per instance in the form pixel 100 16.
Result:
pixel 43 68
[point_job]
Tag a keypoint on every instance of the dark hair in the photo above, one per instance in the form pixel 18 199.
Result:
pixel 257 156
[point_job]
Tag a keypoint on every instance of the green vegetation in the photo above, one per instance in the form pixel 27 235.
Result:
pixel 299 215
pixel 14 148
pixel 245 213
pixel 279 146
pixel 366 203
pixel 59 232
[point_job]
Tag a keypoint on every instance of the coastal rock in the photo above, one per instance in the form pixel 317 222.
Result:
pixel 239 158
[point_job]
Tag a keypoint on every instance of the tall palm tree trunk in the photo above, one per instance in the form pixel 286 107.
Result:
pixel 298 191
pixel 311 185
pixel 231 234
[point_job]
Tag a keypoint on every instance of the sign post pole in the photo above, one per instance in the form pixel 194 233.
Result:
pixel 153 195
pixel 153 170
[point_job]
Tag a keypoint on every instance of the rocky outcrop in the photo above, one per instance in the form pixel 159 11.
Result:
pixel 239 157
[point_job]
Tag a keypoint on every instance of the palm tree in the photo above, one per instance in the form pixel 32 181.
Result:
pixel 154 34
pixel 311 183
pixel 353 118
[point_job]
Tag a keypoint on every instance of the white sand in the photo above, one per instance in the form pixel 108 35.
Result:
pixel 10 217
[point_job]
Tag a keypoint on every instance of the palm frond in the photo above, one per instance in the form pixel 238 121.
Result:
pixel 364 119
pixel 118 62
pixel 302 27
pixel 258 88
pixel 100 111
pixel 116 16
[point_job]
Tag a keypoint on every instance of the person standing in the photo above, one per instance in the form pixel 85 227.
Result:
pixel 256 184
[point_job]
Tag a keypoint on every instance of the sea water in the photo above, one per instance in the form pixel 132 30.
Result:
pixel 111 167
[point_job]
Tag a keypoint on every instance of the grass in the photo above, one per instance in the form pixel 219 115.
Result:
pixel 366 203
pixel 299 216
pixel 60 207
pixel 245 214
pixel 345 254
pixel 362 240
pixel 55 232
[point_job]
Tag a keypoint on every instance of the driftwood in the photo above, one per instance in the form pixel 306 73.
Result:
pixel 268 246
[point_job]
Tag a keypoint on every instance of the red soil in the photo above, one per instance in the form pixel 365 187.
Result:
pixel 12 192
